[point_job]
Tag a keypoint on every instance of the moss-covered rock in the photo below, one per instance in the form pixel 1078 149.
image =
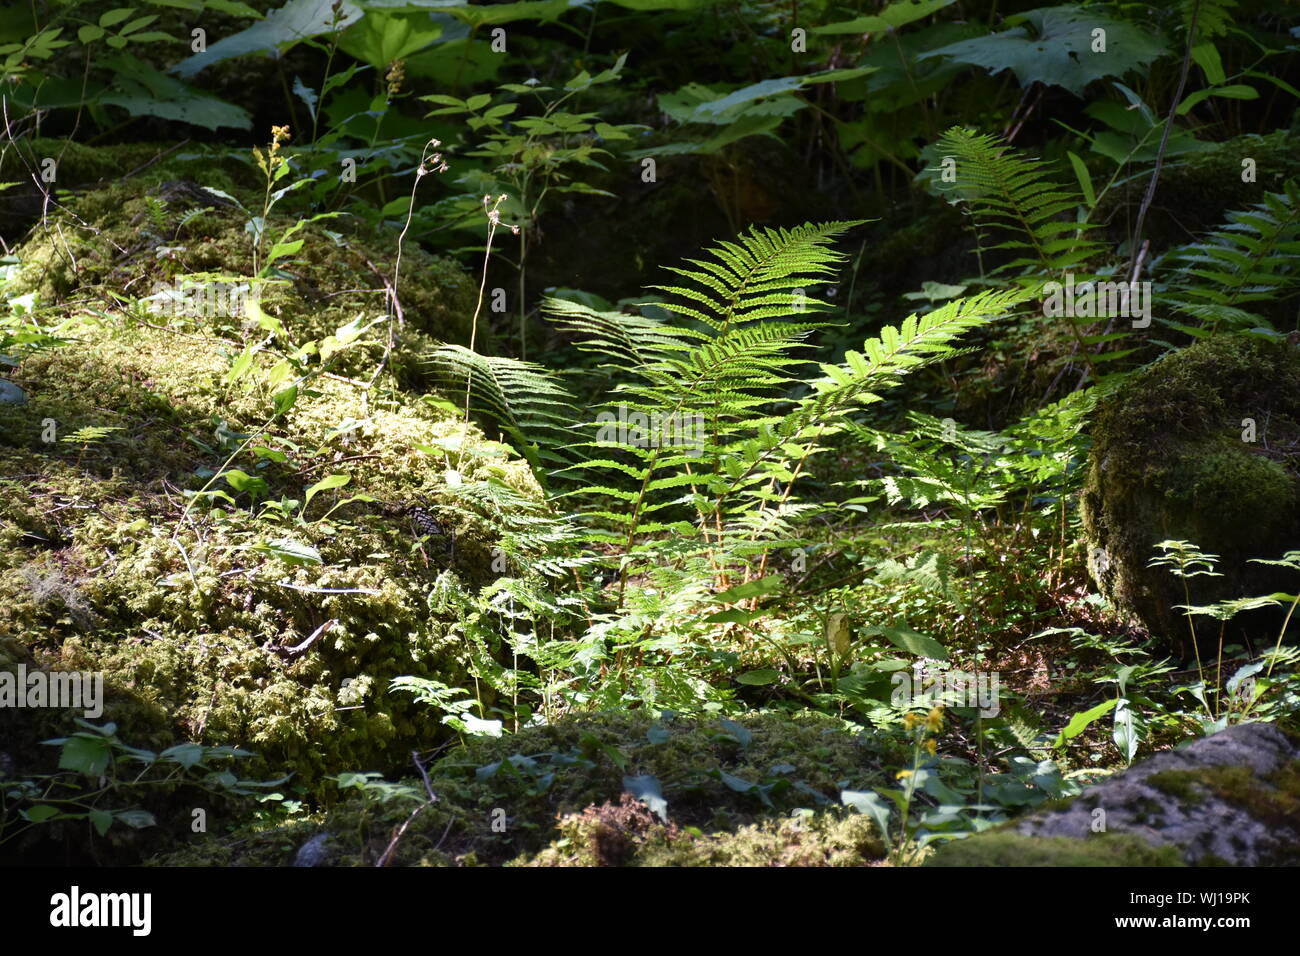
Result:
pixel 1169 462
pixel 77 168
pixel 554 795
pixel 1002 848
pixel 247 619
pixel 1232 799
pixel 628 834
pixel 184 258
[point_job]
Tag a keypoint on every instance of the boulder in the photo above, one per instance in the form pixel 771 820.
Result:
pixel 1231 799
pixel 180 256
pixel 1201 446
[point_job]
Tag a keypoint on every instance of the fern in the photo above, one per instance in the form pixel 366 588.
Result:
pixel 90 434
pixel 1213 17
pixel 525 400
pixel 713 377
pixel 158 216
pixel 1012 194
pixel 729 499
pixel 1254 258
pixel 896 351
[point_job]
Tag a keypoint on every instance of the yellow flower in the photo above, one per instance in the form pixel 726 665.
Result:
pixel 904 774
pixel 270 161
pixel 934 719
pixel 396 76
pixel 930 746
pixel 911 720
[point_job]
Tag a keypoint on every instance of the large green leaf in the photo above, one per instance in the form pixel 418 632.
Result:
pixel 1080 721
pixel 1054 46
pixel 481 15
pixel 729 106
pixel 891 18
pixel 325 484
pixel 85 754
pixel 296 20
pixel 663 4
pixel 914 642
pixel 143 91
pixel 871 804
pixel 381 37
pixel 290 551
pixel 462 61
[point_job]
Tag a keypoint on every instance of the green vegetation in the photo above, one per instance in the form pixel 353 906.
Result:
pixel 656 433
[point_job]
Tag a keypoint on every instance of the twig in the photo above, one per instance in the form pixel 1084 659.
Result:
pixel 146 165
pixel 392 845
pixel 300 587
pixel 424 775
pixel 1136 245
pixel 433 798
pixel 338 461
pixel 298 649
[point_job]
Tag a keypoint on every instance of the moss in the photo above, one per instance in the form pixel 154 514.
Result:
pixel 79 168
pixel 1274 800
pixel 1196 189
pixel 76 164
pixel 102 569
pixel 553 795
pixel 1176 783
pixel 1003 848
pixel 1231 484
pixel 629 835
pixel 821 839
pixel 111 246
pixel 1169 462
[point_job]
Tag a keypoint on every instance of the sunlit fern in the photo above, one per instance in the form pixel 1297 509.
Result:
pixel 1022 200
pixel 527 401
pixel 734 370
pixel 1254 258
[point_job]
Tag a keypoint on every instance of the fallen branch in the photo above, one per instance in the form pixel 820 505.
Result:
pixel 298 649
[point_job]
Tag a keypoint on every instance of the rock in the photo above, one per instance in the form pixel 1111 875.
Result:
pixel 1201 446
pixel 11 394
pixel 121 240
pixel 1230 799
pixel 201 655
pixel 315 852
pixel 1199 186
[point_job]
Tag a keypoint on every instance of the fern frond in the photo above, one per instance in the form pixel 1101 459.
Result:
pixel 1214 18
pixel 526 400
pixel 1255 257
pixel 630 340
pixel 761 275
pixel 157 211
pixel 1020 196
pixel 919 341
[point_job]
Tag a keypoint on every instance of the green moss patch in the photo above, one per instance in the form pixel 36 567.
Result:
pixel 1169 461
pixel 177 255
pixel 554 795
pixel 197 619
pixel 1013 849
